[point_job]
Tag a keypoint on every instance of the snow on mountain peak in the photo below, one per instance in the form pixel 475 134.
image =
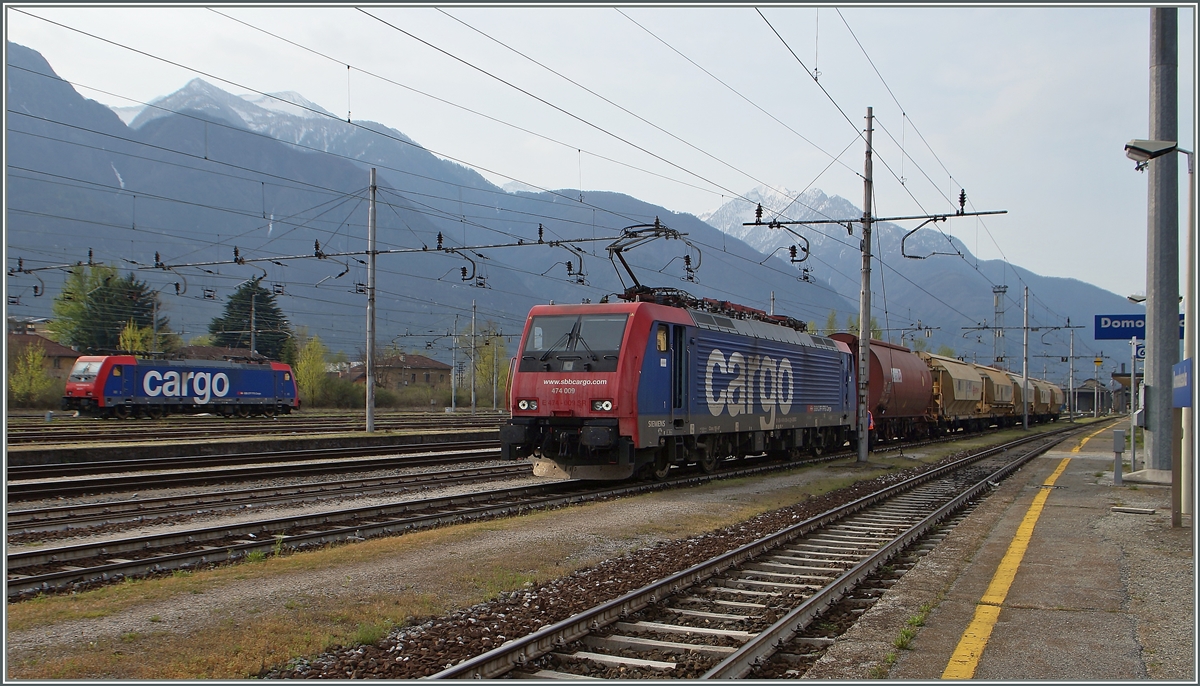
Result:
pixel 288 102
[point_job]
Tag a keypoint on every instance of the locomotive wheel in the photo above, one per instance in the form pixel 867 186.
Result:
pixel 243 411
pixel 122 411
pixel 268 411
pixel 707 461
pixel 661 468
pixel 817 447
pixel 154 412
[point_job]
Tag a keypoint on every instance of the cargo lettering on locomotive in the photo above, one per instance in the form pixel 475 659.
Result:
pixel 175 384
pixel 772 380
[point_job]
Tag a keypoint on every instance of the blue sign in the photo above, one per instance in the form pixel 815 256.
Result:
pixel 1181 384
pixel 1140 351
pixel 1122 327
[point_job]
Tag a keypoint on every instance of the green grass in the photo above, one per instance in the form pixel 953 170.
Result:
pixel 369 633
pixel 904 640
pixel 881 671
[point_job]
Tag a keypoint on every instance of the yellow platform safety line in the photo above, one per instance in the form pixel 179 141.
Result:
pixel 1089 437
pixel 965 659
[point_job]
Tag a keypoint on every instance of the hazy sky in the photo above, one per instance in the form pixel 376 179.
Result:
pixel 1027 108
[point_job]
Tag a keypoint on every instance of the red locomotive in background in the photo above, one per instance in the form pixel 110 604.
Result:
pixel 124 386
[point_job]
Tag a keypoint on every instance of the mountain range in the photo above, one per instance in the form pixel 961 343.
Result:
pixel 196 174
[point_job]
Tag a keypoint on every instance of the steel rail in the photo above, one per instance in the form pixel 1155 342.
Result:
pixel 517 652
pixel 158 432
pixel 757 650
pixel 30 472
pixel 511 500
pixel 68 517
pixel 116 484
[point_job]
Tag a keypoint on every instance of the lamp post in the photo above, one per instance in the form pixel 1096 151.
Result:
pixel 1141 152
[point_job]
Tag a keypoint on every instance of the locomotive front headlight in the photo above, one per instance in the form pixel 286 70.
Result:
pixel 602 405
pixel 527 404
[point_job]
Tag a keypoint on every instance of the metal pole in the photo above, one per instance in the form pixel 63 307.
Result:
pixel 371 308
pixel 154 320
pixel 1162 243
pixel 1133 403
pixel 1189 337
pixel 253 297
pixel 495 375
pixel 1025 365
pixel 454 368
pixel 864 304
pixel 473 357
pixel 1071 382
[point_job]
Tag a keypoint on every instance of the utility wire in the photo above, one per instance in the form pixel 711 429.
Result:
pixel 462 107
pixel 320 113
pixel 555 107
pixel 833 159
pixel 614 104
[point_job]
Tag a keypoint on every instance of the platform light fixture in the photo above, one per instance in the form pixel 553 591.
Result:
pixel 1142 151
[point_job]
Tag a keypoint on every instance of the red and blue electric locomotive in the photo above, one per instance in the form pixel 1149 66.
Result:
pixel 614 390
pixel 123 386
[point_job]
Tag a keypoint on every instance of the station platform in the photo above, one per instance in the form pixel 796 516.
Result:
pixel 1058 575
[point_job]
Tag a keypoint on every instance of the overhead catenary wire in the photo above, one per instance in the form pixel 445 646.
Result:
pixel 614 104
pixel 414 232
pixel 314 111
pixel 464 108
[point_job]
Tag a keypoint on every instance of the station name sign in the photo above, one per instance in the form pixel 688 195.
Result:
pixel 1181 384
pixel 1122 327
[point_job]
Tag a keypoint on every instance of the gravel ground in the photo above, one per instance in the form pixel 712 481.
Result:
pixel 329 502
pixel 591 534
pixel 624 540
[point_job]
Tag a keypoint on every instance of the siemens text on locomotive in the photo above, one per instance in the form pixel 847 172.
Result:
pixel 124 386
pixel 614 390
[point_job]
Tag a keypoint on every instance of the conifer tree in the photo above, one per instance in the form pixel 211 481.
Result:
pixel 271 327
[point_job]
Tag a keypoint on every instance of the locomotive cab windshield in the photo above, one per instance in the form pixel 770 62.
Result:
pixel 574 343
pixel 85 371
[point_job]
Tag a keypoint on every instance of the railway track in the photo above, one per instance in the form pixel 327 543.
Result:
pixel 24 525
pixel 200 463
pixel 30 430
pixel 64 568
pixel 74 567
pixel 732 615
